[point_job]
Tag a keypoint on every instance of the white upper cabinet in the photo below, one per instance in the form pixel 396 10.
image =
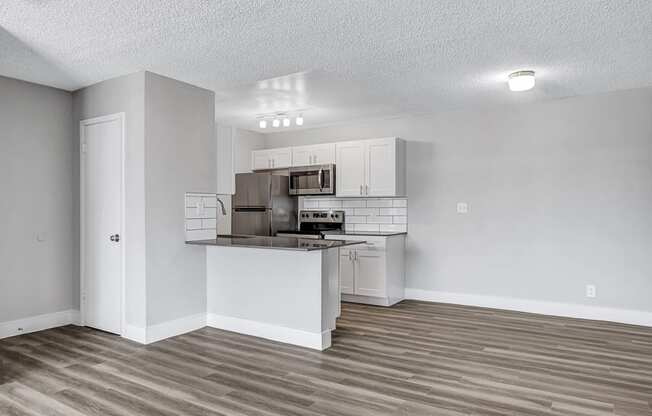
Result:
pixel 271 158
pixel 319 154
pixel 281 158
pixel 373 167
pixel 350 168
pixel 261 159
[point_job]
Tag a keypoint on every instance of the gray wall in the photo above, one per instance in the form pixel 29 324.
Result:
pixel 124 94
pixel 244 141
pixel 36 158
pixel 180 157
pixel 559 192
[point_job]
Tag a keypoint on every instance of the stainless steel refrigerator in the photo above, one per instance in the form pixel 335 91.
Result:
pixel 262 205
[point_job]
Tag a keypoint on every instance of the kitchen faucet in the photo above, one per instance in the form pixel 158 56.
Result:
pixel 222 205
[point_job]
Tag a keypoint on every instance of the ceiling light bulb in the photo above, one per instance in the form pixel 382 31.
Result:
pixel 521 80
pixel 276 122
pixel 299 120
pixel 286 122
pixel 262 124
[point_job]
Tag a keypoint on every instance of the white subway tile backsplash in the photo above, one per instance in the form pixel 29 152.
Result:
pixel 209 223
pixel 355 219
pixel 400 228
pixel 379 203
pixel 194 235
pixel 379 220
pixel 209 213
pixel 192 213
pixel 353 203
pixel 330 203
pixel 200 218
pixel 210 201
pixel 365 214
pixel 367 227
pixel 393 211
pixel 310 203
pixel 192 201
pixel 193 224
pixel 366 211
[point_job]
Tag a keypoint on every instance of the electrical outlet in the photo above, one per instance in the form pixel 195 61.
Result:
pixel 462 207
pixel 590 291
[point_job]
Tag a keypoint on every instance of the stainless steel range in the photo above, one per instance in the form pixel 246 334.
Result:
pixel 316 224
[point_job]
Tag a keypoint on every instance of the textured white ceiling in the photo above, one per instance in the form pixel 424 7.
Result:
pixel 341 59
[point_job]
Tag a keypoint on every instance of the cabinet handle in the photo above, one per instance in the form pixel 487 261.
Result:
pixel 360 189
pixel 366 189
pixel 356 255
pixel 350 255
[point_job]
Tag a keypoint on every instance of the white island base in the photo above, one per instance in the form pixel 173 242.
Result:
pixel 291 296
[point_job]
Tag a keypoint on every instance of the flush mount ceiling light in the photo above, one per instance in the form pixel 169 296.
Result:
pixel 286 122
pixel 262 124
pixel 276 122
pixel 299 120
pixel 521 81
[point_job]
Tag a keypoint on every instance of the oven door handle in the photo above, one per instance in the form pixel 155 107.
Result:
pixel 320 179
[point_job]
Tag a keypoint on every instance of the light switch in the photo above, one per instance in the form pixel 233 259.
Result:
pixel 462 207
pixel 41 236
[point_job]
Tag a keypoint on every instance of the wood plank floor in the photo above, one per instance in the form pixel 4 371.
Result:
pixel 416 358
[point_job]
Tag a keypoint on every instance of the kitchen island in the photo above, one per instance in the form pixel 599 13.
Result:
pixel 278 288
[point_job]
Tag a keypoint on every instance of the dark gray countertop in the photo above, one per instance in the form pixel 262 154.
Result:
pixel 277 243
pixel 372 233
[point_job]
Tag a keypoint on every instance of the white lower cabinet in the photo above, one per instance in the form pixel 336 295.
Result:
pixel 373 272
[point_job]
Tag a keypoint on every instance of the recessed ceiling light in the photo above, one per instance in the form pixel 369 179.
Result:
pixel 276 122
pixel 521 80
pixel 299 120
pixel 262 124
pixel 286 122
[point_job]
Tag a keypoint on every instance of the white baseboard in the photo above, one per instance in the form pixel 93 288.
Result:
pixel 176 327
pixel 317 341
pixel 135 333
pixel 38 323
pixel 626 316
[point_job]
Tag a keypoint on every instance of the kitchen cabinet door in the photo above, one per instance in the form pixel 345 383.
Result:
pixel 350 174
pixel 370 273
pixel 281 158
pixel 302 156
pixel 260 159
pixel 323 154
pixel 381 167
pixel 347 272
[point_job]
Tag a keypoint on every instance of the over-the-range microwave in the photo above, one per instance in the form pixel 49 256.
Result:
pixel 312 180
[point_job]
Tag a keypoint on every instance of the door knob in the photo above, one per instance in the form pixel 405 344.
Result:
pixel 115 237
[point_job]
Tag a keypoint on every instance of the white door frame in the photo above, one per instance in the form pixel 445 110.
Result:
pixel 82 212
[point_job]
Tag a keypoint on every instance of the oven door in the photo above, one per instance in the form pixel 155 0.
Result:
pixel 312 180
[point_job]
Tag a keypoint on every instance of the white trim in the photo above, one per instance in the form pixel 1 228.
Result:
pixel 626 316
pixel 38 323
pixel 318 341
pixel 82 214
pixel 176 327
pixel 135 333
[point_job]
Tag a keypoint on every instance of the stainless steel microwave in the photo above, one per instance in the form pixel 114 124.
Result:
pixel 312 180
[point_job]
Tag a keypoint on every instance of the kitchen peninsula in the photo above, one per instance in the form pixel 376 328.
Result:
pixel 280 288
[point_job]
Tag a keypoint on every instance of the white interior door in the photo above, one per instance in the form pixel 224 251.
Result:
pixel 101 207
